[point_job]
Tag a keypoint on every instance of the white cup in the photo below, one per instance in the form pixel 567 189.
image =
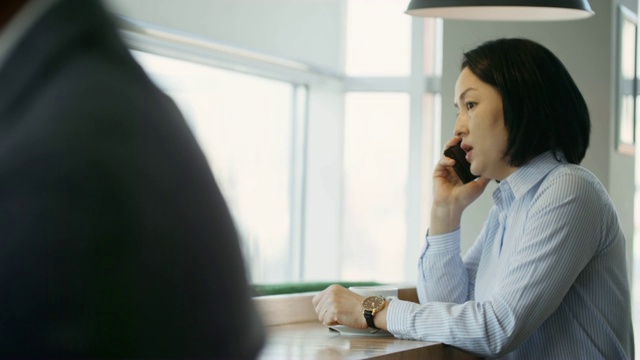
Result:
pixel 382 290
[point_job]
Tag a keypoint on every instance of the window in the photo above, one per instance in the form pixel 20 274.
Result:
pixel 244 125
pixel 374 49
pixel 388 129
pixel 323 170
pixel 376 165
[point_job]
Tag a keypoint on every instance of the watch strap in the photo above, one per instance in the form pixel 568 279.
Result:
pixel 368 315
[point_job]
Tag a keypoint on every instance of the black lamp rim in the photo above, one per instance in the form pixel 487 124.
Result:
pixel 566 4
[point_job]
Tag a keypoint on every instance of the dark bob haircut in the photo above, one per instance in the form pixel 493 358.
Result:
pixel 543 108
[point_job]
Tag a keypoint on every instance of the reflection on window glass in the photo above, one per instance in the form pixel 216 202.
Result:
pixel 376 153
pixel 628 49
pixel 432 54
pixel 626 120
pixel 243 124
pixel 378 38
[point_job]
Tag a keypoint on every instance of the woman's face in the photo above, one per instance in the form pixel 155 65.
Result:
pixel 480 124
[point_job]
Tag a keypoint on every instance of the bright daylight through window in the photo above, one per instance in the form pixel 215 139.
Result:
pixel 244 125
pixel 255 131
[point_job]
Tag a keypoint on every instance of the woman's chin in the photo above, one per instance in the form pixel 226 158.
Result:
pixel 474 171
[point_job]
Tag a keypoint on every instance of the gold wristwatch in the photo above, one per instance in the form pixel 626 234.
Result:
pixel 372 305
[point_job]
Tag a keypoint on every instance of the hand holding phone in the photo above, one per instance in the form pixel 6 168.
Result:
pixel 462 166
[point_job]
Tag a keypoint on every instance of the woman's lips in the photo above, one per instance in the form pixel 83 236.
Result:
pixel 468 150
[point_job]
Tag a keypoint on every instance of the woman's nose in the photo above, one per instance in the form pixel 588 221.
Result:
pixel 461 126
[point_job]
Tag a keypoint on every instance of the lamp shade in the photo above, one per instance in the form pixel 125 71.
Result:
pixel 502 10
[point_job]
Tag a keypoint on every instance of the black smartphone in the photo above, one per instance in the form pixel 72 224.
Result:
pixel 462 166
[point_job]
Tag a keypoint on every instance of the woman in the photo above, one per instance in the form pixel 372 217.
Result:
pixel 546 278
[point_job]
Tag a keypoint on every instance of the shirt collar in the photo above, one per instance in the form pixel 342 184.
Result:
pixel 503 197
pixel 20 23
pixel 528 175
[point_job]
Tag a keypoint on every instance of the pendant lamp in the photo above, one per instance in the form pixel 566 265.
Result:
pixel 502 10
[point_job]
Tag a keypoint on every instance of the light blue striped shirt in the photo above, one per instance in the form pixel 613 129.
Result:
pixel 549 284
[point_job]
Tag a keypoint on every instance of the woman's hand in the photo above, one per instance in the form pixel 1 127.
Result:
pixel 450 195
pixel 336 305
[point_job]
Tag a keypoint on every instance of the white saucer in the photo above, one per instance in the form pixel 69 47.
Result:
pixel 345 330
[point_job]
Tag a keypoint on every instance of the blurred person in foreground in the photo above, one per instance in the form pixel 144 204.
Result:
pixel 546 278
pixel 114 238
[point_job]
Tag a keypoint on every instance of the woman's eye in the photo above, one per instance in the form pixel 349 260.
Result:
pixel 470 105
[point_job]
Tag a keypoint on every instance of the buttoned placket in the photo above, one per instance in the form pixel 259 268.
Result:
pixel 503 199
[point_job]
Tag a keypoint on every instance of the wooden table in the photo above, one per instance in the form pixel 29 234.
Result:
pixel 312 340
pixel 293 332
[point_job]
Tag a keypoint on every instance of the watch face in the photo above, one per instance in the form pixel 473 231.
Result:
pixel 373 303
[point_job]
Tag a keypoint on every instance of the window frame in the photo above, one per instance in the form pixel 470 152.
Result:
pixel 308 155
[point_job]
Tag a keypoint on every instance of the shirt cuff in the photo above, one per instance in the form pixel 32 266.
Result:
pixel 443 243
pixel 399 318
